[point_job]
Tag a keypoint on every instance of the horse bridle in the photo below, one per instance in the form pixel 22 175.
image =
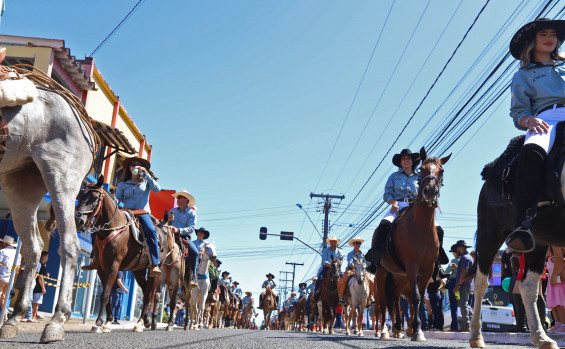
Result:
pixel 95 212
pixel 438 187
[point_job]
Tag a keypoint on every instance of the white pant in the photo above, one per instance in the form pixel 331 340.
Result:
pixel 389 216
pixel 546 140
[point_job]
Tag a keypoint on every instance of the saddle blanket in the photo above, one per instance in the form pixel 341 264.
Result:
pixel 17 92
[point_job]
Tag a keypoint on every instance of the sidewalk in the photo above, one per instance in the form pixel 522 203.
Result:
pixel 495 337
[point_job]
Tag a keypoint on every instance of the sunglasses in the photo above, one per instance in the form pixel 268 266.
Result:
pixel 135 164
pixel 356 243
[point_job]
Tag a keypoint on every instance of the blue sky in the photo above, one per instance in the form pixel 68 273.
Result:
pixel 244 100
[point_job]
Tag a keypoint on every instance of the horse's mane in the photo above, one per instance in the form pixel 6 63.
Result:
pixel 432 159
pixel 493 170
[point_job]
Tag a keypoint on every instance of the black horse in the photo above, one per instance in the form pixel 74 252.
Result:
pixel 497 218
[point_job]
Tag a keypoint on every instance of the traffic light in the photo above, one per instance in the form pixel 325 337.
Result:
pixel 286 235
pixel 263 233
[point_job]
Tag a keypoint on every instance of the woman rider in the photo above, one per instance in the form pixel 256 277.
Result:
pixel 133 191
pixel 538 104
pixel 401 189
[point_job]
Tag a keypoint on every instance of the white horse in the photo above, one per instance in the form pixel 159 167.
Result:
pixel 200 293
pixel 49 148
pixel 359 290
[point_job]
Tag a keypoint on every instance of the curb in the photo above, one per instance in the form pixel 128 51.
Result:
pixel 494 337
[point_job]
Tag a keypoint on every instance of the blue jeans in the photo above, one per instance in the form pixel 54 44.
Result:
pixel 338 321
pixel 452 304
pixel 424 314
pixel 321 276
pixel 435 301
pixel 29 312
pixel 192 255
pixel 405 310
pixel 117 305
pixel 151 235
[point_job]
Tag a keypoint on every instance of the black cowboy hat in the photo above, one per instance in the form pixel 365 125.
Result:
pixel 528 32
pixel 461 243
pixel 397 157
pixel 203 231
pixel 225 272
pixel 453 248
pixel 271 275
pixel 144 162
pixel 302 283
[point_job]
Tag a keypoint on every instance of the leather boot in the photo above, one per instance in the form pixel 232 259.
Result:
pixel 442 257
pixel 378 244
pixel 155 271
pixel 528 183
pixel 521 326
pixel 93 260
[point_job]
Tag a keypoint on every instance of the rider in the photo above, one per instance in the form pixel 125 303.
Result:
pixel 288 305
pixel 538 97
pixel 270 283
pixel 236 290
pixel 401 190
pixel 201 235
pixel 310 291
pixel 133 191
pixel 302 290
pixel 349 272
pixel 182 219
pixel 245 301
pixel 225 280
pixel 329 253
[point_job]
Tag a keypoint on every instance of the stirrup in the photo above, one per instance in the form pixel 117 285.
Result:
pixel 519 235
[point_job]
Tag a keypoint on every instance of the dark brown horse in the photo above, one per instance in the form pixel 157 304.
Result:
pixel 117 250
pixel 269 303
pixel 299 311
pixel 415 244
pixel 329 296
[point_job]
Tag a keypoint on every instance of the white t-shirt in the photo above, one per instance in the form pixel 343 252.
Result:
pixel 7 256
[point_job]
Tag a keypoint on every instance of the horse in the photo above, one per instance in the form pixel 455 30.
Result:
pixel 329 296
pixel 248 313
pixel 359 291
pixel 312 314
pixel 299 311
pixel 213 305
pixel 494 224
pixel 117 249
pixel 200 293
pixel 269 303
pixel 415 244
pixel 38 159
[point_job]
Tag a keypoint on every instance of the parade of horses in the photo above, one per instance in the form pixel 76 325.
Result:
pixel 82 191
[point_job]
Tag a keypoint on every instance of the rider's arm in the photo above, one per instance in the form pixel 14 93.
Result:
pixel 153 185
pixel 520 105
pixel 326 257
pixel 120 192
pixel 189 229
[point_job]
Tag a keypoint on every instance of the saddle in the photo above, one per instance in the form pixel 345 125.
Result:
pixel 500 173
pixel 388 240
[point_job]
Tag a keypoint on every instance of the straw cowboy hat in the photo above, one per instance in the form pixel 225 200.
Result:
pixel 351 241
pixel 9 241
pixel 186 194
pixel 271 275
pixel 314 278
pixel 397 157
pixel 292 294
pixel 302 283
pixel 203 231
pixel 333 238
pixel 145 163
pixel 528 32
pixel 248 293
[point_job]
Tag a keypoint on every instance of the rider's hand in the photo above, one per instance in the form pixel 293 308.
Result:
pixel 394 207
pixel 537 125
pixel 171 216
pixel 175 230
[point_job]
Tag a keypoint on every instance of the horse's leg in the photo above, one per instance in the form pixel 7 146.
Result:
pixel 173 287
pixel 24 213
pixel 107 278
pixel 143 283
pixel 156 299
pixel 418 335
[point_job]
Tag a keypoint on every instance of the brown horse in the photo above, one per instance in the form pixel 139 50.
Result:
pixel 269 303
pixel 415 244
pixel 117 249
pixel 299 311
pixel 248 314
pixel 313 314
pixel 329 296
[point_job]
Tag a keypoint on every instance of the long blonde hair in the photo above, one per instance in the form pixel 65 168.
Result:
pixel 527 55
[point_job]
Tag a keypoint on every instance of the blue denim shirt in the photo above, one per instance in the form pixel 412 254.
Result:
pixel 246 300
pixel 352 254
pixel 535 87
pixel 465 262
pixel 302 292
pixel 399 186
pixel 225 281
pixel 198 244
pixel 311 288
pixel 327 254
pixel 135 196
pixel 238 291
pixel 183 220
pixel 270 284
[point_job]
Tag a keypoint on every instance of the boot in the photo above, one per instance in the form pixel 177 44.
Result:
pixel 442 258
pixel 520 315
pixel 155 271
pixel 528 183
pixel 93 262
pixel 260 301
pixel 378 244
pixel 193 281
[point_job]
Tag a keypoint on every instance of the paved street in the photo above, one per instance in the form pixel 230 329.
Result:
pixel 224 338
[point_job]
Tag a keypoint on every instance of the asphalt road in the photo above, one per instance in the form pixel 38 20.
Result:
pixel 226 338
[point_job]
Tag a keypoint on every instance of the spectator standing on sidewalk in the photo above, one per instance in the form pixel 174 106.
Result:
pixel 117 293
pixel 451 282
pixel 39 289
pixel 556 288
pixel 7 255
pixel 463 284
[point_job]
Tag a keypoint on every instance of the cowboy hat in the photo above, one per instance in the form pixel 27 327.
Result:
pixel 187 195
pixel 8 240
pixel 333 238
pixel 292 293
pixel 314 278
pixel 302 283
pixel 145 163
pixel 203 231
pixel 461 243
pixel 528 32
pixel 248 293
pixel 271 275
pixel 235 283
pixel 453 248
pixel 225 272
pixel 351 241
pixel 405 152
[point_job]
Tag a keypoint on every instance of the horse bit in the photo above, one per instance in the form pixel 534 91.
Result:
pixel 95 212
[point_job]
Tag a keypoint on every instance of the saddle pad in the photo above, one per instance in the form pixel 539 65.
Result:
pixel 134 231
pixel 16 92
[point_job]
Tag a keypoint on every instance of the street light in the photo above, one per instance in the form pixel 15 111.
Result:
pixel 284 235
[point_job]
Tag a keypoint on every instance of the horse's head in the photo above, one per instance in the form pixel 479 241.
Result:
pixel 431 178
pixel 359 268
pixel 89 205
pixel 335 268
pixel 210 250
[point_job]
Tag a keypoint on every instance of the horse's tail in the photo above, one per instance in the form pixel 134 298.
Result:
pixel 50 224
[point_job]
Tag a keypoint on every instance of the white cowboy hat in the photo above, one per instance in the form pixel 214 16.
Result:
pixel 333 238
pixel 351 241
pixel 186 194
pixel 314 278
pixel 9 241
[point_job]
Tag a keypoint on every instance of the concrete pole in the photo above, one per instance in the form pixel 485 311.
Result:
pixel 89 290
pixel 327 207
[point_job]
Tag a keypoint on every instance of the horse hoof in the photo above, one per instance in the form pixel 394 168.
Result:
pixel 9 331
pixel 354 331
pixel 138 328
pixel 96 329
pixel 360 334
pixel 106 329
pixel 418 337
pixel 186 328
pixel 477 343
pixel 385 335
pixel 548 345
pixel 52 333
pixel 332 332
pixel 409 332
pixel 169 328
pixel 398 335
pixel 153 326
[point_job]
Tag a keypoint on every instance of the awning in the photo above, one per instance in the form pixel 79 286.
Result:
pixel 113 138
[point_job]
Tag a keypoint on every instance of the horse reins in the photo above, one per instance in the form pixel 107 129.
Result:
pixel 437 186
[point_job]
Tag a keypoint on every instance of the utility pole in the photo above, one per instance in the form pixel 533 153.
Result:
pixel 327 207
pixel 283 287
pixel 293 270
